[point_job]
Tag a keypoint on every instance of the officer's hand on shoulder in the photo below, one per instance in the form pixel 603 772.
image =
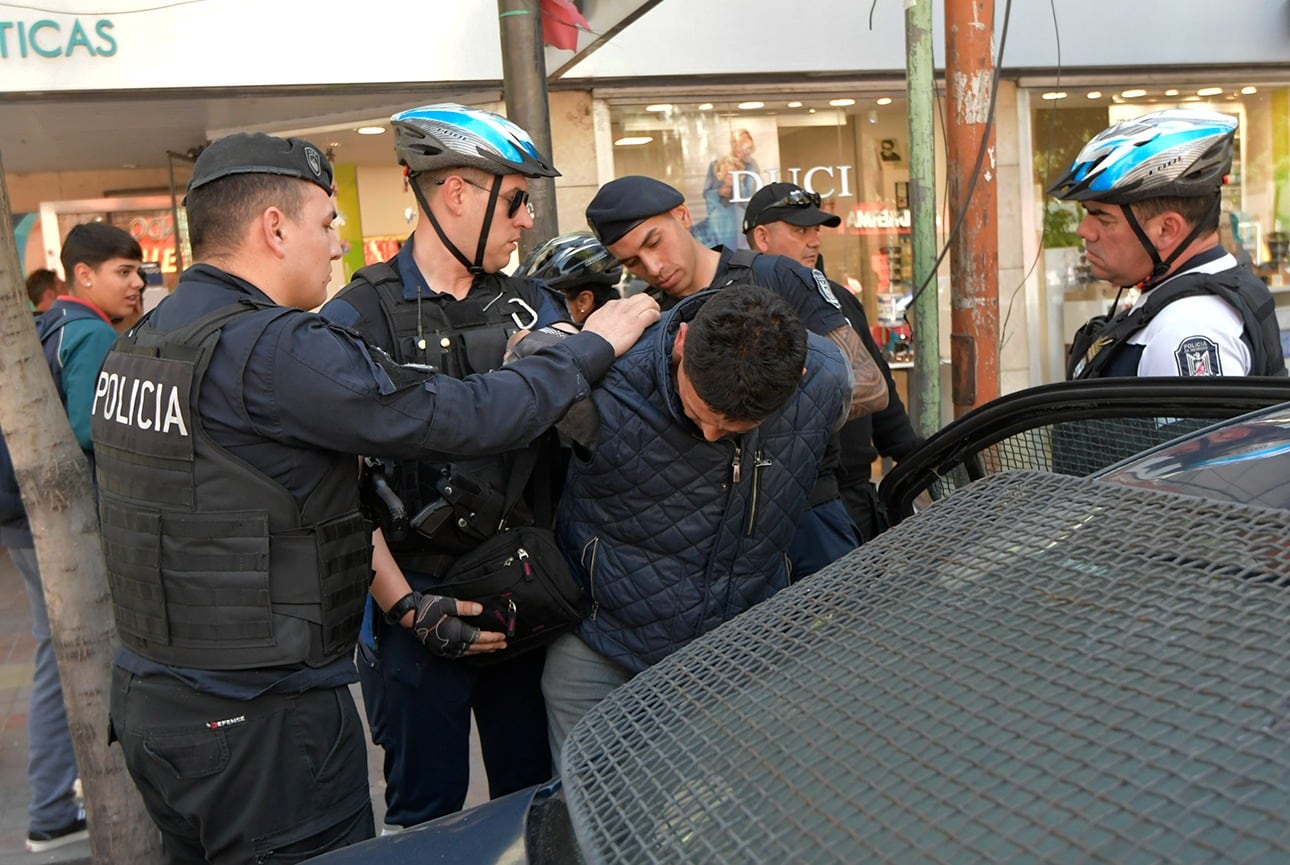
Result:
pixel 621 322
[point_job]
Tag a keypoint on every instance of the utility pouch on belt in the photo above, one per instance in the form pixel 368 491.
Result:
pixel 521 578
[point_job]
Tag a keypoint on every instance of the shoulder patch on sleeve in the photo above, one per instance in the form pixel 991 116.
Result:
pixel 822 283
pixel 1197 356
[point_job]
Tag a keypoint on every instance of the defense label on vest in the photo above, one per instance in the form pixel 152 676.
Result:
pixel 143 405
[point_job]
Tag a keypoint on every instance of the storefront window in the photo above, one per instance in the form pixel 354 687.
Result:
pixel 853 151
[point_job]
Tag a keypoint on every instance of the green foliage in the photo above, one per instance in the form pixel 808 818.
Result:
pixel 1059 226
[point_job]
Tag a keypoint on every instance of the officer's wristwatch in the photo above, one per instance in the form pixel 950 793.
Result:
pixel 403 606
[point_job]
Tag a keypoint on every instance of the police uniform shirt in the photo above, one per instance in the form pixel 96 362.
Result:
pixel 1194 336
pixel 807 291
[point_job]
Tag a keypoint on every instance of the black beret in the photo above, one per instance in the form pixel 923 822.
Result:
pixel 257 153
pixel 625 203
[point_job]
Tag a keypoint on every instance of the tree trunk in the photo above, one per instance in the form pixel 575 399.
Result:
pixel 54 477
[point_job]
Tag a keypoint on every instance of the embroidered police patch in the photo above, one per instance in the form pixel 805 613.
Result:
pixel 1197 355
pixel 315 161
pixel 822 283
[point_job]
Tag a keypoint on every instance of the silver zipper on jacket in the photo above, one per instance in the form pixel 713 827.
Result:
pixel 594 546
pixel 759 462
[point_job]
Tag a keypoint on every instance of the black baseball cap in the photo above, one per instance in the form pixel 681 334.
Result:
pixel 786 202
pixel 258 153
pixel 625 203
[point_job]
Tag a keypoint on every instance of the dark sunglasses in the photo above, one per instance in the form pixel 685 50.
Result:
pixel 797 198
pixel 520 198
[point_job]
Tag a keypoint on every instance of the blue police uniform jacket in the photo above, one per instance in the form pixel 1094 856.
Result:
pixel 672 534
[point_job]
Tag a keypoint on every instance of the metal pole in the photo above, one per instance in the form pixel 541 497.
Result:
pixel 974 257
pixel 925 390
pixel 174 215
pixel 524 80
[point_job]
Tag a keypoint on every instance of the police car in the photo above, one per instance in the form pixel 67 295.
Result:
pixel 1037 668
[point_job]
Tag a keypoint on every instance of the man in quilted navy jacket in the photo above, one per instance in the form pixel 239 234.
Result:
pixel 678 515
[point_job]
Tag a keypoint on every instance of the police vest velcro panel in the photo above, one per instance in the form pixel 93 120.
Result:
pixel 212 565
pixel 457 337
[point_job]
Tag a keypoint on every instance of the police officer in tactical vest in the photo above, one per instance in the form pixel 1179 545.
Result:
pixel 226 425
pixel 1151 189
pixel 442 302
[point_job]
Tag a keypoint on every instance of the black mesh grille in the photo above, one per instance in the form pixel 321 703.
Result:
pixel 1039 669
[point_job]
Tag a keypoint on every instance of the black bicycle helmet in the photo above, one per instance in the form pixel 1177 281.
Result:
pixel 1185 153
pixel 572 260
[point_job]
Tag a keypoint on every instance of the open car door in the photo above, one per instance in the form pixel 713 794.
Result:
pixel 1072 428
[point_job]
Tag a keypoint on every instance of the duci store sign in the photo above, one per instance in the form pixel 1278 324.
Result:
pixel 54 39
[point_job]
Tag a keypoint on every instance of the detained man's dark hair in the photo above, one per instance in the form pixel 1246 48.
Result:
pixel 744 352
pixel 93 243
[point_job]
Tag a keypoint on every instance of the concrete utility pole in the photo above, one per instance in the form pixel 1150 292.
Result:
pixel 974 257
pixel 925 393
pixel 524 82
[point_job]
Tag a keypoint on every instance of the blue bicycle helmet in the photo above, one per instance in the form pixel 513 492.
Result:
pixel 1184 153
pixel 448 135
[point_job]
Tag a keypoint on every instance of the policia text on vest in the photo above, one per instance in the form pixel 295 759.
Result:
pixel 154 404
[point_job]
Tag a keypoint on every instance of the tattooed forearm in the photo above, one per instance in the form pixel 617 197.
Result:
pixel 870 392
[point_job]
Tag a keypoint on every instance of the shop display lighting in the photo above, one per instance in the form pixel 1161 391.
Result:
pixel 1249 90
pixel 751 106
pixel 884 100
pixel 1209 91
pixel 1054 94
pixel 706 106
pixel 1132 94
pixel 659 108
pixel 1171 92
pixel 633 140
pixel 1093 94
pixel 841 103
pixel 370 130
pixel 794 104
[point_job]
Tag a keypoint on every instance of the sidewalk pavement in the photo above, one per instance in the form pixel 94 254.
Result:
pixel 17 648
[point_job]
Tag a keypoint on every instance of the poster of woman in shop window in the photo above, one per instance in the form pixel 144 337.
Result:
pixel 732 178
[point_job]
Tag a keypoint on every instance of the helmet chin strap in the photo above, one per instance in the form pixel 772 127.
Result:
pixel 1161 267
pixel 493 193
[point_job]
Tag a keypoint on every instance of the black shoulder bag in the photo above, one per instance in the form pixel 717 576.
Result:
pixel 521 578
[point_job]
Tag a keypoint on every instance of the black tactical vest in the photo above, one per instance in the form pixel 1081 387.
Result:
pixel 456 337
pixel 212 565
pixel 1100 340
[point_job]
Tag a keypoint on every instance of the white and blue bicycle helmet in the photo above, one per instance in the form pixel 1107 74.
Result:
pixel 448 135
pixel 1175 153
pixel 1178 152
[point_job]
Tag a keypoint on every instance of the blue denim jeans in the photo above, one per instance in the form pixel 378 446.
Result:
pixel 575 679
pixel 51 765
pixel 825 534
